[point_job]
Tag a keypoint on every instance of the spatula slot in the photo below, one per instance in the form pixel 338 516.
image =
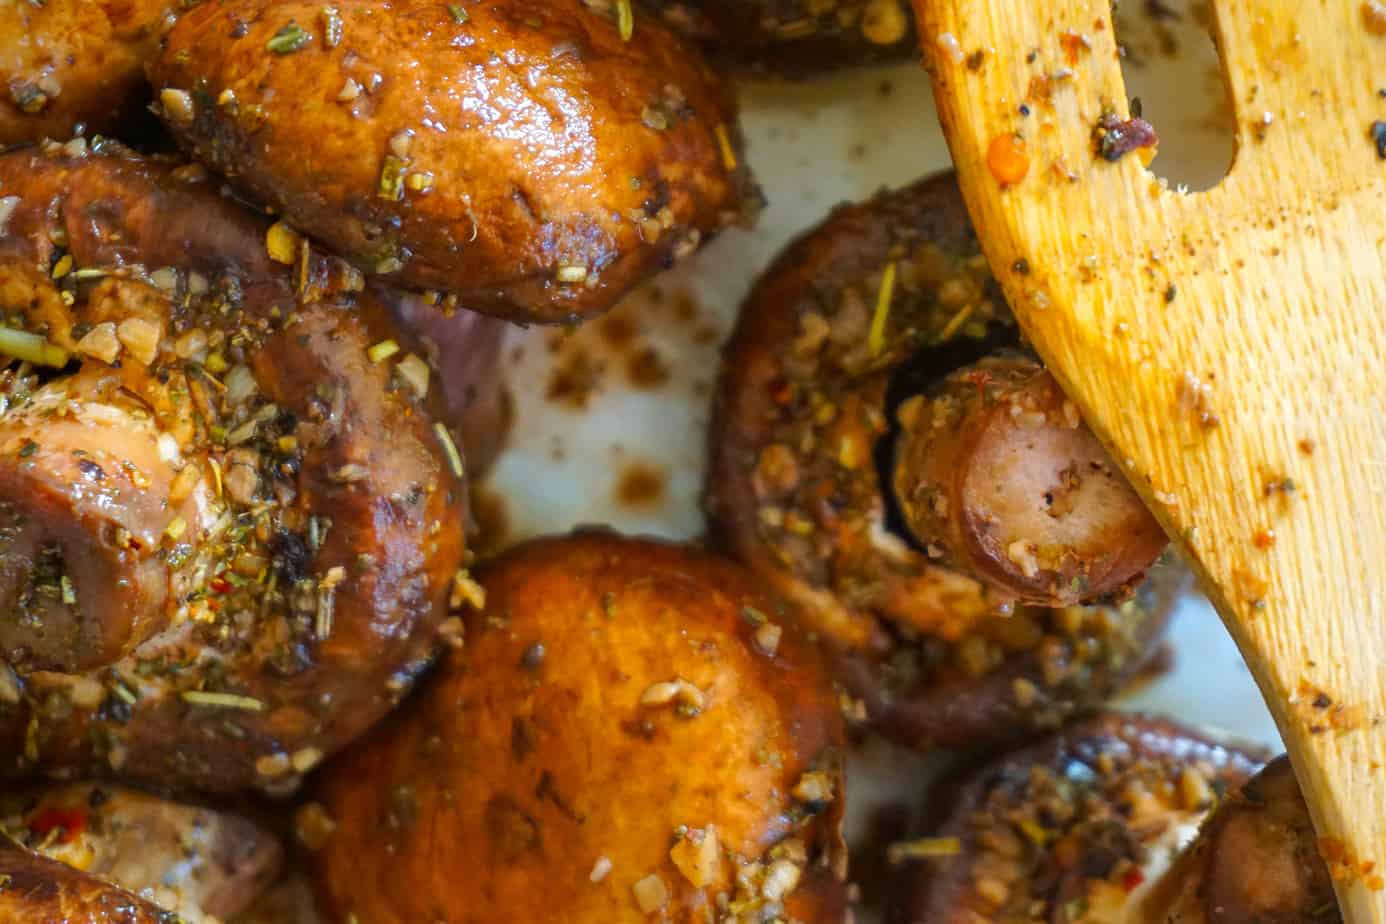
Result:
pixel 1166 47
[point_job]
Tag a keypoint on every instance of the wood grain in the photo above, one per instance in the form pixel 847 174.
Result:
pixel 1229 346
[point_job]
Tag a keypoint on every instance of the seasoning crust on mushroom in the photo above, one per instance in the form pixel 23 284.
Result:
pixel 942 544
pixel 202 864
pixel 1118 818
pixel 217 570
pixel 796 38
pixel 523 158
pixel 1074 828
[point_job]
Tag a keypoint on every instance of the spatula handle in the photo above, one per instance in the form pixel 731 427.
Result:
pixel 1228 346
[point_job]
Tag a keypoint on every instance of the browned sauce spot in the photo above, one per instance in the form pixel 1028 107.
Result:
pixel 706 334
pixel 574 378
pixel 641 485
pixel 685 309
pixel 646 369
pixel 617 331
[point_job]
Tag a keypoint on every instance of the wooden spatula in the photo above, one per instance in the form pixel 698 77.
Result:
pixel 1229 346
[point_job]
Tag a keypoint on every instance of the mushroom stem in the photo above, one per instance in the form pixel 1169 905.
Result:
pixel 995 473
pixel 89 525
pixel 1256 859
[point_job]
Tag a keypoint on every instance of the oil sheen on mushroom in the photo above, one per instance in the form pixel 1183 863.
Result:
pixel 628 729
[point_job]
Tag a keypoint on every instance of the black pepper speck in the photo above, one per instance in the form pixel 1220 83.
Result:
pixel 533 657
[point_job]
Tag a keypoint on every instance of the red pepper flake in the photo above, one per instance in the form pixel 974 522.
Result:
pixel 1116 138
pixel 1074 45
pixel 1306 446
pixel 1133 879
pixel 1374 17
pixel 1344 867
pixel 72 822
pixel 1008 159
pixel 1333 850
pixel 1264 539
pixel 220 584
pixel 782 392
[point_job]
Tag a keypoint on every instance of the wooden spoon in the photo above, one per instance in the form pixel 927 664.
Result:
pixel 1229 346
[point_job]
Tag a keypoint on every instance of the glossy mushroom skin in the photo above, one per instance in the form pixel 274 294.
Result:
pixel 1257 860
pixel 463 349
pixel 995 469
pixel 40 891
pixel 307 588
pixel 525 158
pixel 799 485
pixel 1073 828
pixel 94 473
pixel 70 63
pixel 622 709
pixel 196 862
pixel 794 38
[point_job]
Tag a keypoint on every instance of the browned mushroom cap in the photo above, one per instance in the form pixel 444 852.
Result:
pixel 631 728
pixel 995 469
pixel 70 63
pixel 1071 829
pixel 40 891
pixel 307 581
pixel 1256 861
pixel 796 38
pixel 186 859
pixel 521 156
pixel 799 486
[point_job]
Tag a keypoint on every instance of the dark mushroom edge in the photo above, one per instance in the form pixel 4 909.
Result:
pixel 859 346
pixel 1080 826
